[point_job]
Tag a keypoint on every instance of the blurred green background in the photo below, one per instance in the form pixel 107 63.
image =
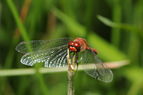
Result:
pixel 113 27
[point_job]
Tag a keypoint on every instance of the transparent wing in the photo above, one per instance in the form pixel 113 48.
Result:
pixel 55 57
pixel 100 71
pixel 38 45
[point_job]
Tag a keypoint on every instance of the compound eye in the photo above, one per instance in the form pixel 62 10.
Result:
pixel 71 43
pixel 76 44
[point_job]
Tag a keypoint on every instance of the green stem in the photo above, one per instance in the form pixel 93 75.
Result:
pixel 17 19
pixel 116 18
pixel 31 71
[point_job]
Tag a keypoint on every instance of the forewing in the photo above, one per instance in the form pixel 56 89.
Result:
pixel 55 57
pixel 100 71
pixel 38 45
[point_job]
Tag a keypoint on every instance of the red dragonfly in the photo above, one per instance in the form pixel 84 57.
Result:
pixel 53 53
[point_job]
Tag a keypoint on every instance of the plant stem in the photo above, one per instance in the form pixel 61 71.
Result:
pixel 31 71
pixel 71 66
pixel 18 20
pixel 70 83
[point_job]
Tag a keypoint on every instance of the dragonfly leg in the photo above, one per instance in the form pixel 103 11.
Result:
pixel 72 61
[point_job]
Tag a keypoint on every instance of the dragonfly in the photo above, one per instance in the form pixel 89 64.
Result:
pixel 53 53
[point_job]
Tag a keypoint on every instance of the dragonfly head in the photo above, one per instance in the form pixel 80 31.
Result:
pixel 74 46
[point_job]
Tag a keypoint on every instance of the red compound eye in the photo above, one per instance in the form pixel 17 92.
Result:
pixel 71 43
pixel 76 44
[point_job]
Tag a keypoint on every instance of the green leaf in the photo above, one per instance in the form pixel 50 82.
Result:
pixel 107 51
pixel 117 25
